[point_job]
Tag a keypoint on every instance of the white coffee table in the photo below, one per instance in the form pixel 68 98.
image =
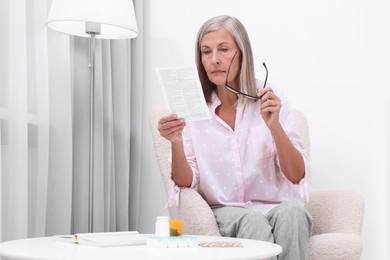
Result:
pixel 48 248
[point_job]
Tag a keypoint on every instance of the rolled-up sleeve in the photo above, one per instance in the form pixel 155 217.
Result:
pixel 289 124
pixel 190 155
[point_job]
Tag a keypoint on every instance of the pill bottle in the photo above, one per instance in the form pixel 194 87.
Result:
pixel 162 226
pixel 175 227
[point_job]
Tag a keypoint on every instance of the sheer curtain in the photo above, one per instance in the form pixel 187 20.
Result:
pixel 44 111
pixel 24 119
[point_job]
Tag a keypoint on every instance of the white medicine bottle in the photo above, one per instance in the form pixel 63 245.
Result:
pixel 162 226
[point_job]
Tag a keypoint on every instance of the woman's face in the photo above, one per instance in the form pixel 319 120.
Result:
pixel 217 51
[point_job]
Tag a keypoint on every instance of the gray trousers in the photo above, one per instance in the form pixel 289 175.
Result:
pixel 288 225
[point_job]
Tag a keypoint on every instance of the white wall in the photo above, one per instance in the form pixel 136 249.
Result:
pixel 330 57
pixel 388 166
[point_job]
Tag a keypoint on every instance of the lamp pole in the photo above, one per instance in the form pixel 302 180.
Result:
pixel 92 29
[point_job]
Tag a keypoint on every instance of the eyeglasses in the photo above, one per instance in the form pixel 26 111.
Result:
pixel 235 91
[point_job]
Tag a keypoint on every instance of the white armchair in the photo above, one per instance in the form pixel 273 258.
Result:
pixel 337 214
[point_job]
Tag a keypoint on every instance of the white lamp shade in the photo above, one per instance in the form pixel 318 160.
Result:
pixel 116 17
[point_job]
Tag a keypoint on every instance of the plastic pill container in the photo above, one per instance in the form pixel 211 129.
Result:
pixel 162 226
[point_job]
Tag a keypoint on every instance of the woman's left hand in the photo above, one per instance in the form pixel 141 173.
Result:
pixel 270 107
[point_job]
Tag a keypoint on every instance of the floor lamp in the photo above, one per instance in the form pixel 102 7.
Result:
pixel 105 19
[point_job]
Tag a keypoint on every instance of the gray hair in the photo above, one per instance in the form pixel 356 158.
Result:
pixel 247 81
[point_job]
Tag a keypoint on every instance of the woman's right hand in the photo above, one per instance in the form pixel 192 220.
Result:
pixel 171 128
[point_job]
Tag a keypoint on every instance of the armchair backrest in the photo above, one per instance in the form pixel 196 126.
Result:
pixel 303 128
pixel 163 149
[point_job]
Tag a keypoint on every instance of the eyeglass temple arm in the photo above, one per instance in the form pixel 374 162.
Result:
pixel 266 74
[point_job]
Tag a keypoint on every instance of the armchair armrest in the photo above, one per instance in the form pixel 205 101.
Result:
pixel 336 211
pixel 197 216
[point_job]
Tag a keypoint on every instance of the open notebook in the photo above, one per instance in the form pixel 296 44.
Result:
pixel 105 239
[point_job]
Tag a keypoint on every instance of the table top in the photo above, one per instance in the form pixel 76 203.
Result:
pixel 51 248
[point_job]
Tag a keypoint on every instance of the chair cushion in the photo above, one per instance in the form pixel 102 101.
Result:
pixel 335 246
